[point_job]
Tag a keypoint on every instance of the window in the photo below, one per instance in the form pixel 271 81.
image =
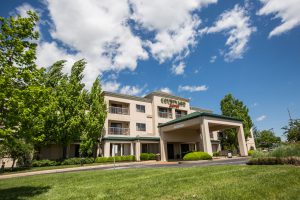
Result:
pixel 164 112
pixel 140 108
pixel 140 127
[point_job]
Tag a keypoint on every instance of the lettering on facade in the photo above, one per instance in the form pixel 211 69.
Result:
pixel 173 103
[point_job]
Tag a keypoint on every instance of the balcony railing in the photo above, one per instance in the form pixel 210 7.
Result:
pixel 118 131
pixel 118 110
pixel 165 114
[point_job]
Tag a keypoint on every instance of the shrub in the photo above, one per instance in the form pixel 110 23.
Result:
pixel 117 159
pixel 274 161
pixel 43 163
pixel 88 160
pixel 197 155
pixel 101 160
pixel 250 152
pixel 71 161
pixel 148 156
pixel 217 153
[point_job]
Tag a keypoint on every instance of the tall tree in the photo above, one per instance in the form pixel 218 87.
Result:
pixel 266 139
pixel 22 94
pixel 292 130
pixel 66 124
pixel 233 107
pixel 94 118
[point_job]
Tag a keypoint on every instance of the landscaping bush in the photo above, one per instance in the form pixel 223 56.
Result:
pixel 274 161
pixel 217 153
pixel 286 150
pixel 117 159
pixel 147 156
pixel 197 155
pixel 43 163
pixel 71 161
pixel 250 152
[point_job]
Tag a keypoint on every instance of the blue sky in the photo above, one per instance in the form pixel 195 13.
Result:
pixel 198 49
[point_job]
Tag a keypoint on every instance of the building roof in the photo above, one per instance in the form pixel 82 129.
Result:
pixel 164 94
pixel 201 109
pixel 126 96
pixel 195 115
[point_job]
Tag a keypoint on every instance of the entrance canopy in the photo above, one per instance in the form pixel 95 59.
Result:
pixel 197 127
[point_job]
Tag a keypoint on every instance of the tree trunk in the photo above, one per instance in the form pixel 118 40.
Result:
pixel 13 164
pixel 64 156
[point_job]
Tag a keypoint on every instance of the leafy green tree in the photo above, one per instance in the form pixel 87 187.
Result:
pixel 233 107
pixel 94 118
pixel 23 96
pixel 266 139
pixel 66 124
pixel 292 130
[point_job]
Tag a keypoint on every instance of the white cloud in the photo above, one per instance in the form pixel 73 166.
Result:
pixel 166 90
pixel 173 22
pixel 111 86
pixel 213 59
pixel 193 88
pixel 178 69
pixel 96 31
pixel 261 118
pixel 236 24
pixel 131 90
pixel 288 11
pixel 22 9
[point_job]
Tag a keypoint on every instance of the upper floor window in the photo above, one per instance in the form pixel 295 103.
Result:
pixel 140 108
pixel 164 112
pixel 116 108
pixel 180 113
pixel 140 127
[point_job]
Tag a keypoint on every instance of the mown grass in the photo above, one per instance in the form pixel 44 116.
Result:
pixel 213 182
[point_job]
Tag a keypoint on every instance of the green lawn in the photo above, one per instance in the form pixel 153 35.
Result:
pixel 213 182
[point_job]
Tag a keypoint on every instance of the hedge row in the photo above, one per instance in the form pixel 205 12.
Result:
pixel 197 155
pixel 117 159
pixel 293 160
pixel 148 156
pixel 78 161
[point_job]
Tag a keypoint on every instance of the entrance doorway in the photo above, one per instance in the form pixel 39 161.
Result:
pixel 185 148
pixel 170 148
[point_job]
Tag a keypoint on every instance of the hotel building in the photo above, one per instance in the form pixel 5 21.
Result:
pixel 163 123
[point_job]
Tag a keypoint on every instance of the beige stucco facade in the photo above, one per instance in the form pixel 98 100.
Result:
pixel 133 127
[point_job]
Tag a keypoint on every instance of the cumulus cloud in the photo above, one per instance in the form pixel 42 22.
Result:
pixel 195 88
pixel 237 26
pixel 110 86
pixel 131 90
pixel 101 32
pixel 288 11
pixel 166 90
pixel 261 118
pixel 178 69
pixel 173 22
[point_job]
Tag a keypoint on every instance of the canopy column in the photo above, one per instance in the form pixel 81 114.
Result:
pixel 206 137
pixel 241 140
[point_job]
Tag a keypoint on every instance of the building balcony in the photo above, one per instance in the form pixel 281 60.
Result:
pixel 118 110
pixel 165 115
pixel 118 131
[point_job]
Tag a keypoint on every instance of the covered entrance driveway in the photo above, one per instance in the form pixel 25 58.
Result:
pixel 194 132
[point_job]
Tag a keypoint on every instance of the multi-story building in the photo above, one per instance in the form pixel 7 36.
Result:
pixel 132 125
pixel 156 123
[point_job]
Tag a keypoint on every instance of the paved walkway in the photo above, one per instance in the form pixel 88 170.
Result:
pixel 144 164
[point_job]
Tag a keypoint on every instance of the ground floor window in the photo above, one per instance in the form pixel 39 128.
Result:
pixel 150 148
pixel 122 149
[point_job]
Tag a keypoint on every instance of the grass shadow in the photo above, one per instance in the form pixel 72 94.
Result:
pixel 18 193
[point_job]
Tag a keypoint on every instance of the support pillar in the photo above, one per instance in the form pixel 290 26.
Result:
pixel 163 147
pixel 131 148
pixel 138 150
pixel 106 149
pixel 242 141
pixel 206 137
